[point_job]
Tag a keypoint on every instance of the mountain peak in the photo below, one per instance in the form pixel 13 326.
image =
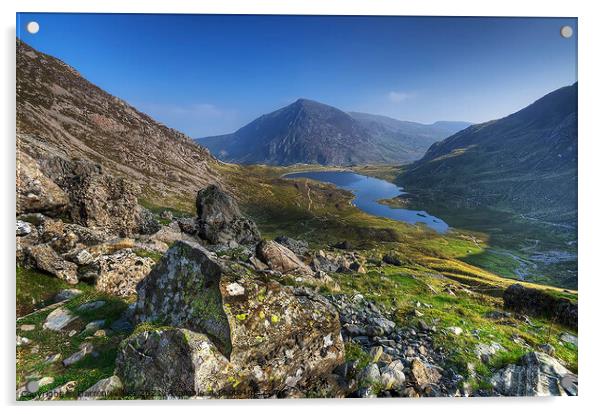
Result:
pixel 310 104
pixel 307 131
pixel 305 101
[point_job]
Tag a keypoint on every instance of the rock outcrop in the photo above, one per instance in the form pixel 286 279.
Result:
pixel 539 303
pixel 97 199
pixel 236 334
pixel 220 220
pixel 538 374
pixel 35 191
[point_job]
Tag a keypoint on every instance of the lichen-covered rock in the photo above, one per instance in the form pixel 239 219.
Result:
pixel 44 258
pixel 280 258
pixel 539 303
pixel 171 362
pixel 220 220
pixel 35 191
pixel 87 236
pixel 183 290
pixel 538 374
pixel 170 234
pixel 50 229
pixel 23 228
pixel 119 273
pixel 97 200
pixel 147 223
pixel 274 336
pixel 188 225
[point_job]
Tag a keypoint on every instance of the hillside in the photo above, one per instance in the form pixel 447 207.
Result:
pixel 60 113
pixel 310 132
pixel 408 140
pixel 525 162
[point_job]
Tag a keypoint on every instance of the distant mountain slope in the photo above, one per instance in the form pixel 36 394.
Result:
pixel 409 138
pixel 314 133
pixel 526 162
pixel 59 113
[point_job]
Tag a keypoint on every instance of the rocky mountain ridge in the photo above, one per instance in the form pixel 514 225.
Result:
pixel 60 114
pixel 310 132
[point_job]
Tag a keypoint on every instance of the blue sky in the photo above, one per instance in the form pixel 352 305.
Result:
pixel 208 75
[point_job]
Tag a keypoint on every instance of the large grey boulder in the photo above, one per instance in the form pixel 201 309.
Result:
pixel 220 220
pixel 264 337
pixel 280 258
pixel 538 374
pixel 44 258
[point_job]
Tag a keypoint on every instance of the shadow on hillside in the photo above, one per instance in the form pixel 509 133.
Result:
pixel 516 248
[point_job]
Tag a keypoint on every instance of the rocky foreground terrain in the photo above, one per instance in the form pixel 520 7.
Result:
pixel 210 309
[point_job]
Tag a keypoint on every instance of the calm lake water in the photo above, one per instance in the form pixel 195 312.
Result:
pixel 368 190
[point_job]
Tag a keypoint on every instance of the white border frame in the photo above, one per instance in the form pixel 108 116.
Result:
pixel 590 151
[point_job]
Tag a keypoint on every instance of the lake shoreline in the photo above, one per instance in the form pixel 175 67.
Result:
pixel 369 194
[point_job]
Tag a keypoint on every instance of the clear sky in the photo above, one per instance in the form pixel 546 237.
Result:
pixel 208 75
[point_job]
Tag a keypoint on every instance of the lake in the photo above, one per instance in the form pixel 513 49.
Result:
pixel 368 190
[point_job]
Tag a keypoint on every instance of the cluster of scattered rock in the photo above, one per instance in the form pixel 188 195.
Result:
pixel 68 321
pixel 74 253
pixel 405 353
pixel 71 220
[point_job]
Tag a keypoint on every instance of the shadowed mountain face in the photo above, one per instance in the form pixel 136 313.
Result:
pixel 60 113
pixel 526 162
pixel 313 133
